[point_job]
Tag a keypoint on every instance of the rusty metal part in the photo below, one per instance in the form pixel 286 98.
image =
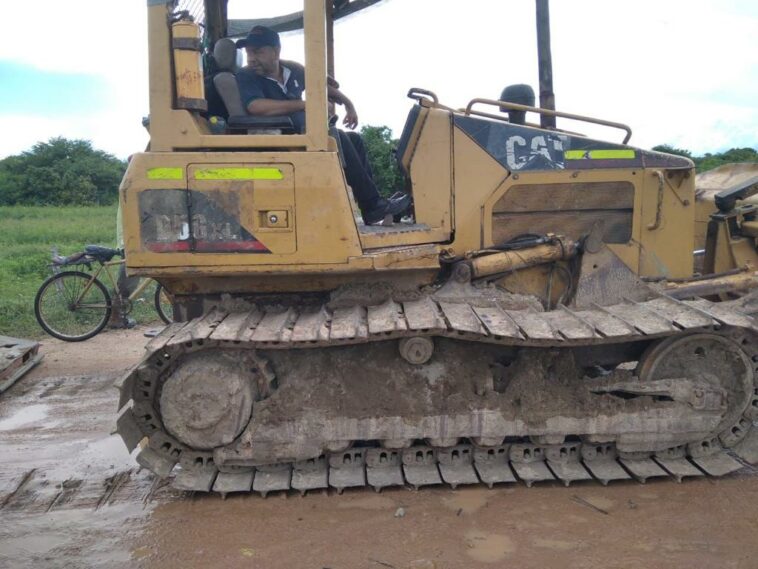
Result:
pixel 742 281
pixel 507 261
pixel 139 417
pixel 416 350
pixel 17 357
pixel 659 207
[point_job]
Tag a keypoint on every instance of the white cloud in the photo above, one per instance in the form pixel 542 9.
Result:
pixel 107 39
pixel 680 71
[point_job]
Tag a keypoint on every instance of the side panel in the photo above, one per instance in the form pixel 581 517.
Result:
pixel 566 184
pixel 292 209
pixel 667 236
pixel 262 198
pixel 575 208
pixel 477 176
pixel 569 203
pixel 430 170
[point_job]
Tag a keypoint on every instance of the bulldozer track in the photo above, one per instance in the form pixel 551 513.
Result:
pixel 367 464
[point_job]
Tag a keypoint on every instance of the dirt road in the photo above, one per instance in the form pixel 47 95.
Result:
pixel 70 496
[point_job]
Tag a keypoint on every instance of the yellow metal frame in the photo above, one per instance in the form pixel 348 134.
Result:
pixel 174 130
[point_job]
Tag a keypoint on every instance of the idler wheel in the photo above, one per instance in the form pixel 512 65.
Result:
pixel 713 358
pixel 416 350
pixel 208 400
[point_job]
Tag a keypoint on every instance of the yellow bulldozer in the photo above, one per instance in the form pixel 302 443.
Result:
pixel 535 316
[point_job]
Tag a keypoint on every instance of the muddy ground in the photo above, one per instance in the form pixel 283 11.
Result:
pixel 70 496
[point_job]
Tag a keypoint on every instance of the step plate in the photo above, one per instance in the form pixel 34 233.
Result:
pixel 494 473
pixel 717 464
pixel 643 469
pixel 679 467
pixel 313 476
pixel 272 481
pixel 531 472
pixel 457 474
pixel 422 475
pixel 384 476
pixel 347 477
pixel 607 470
pixel 200 480
pixel 233 482
pixel 570 471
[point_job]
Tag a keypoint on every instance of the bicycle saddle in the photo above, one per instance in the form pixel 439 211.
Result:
pixel 102 254
pixel 75 259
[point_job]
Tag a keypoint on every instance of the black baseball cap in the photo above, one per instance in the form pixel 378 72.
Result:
pixel 260 36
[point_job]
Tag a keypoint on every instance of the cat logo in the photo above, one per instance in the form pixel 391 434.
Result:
pixel 543 151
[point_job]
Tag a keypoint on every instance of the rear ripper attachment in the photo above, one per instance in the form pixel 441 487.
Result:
pixel 431 391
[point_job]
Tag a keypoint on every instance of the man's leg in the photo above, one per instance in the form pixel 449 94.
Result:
pixel 358 172
pixel 360 149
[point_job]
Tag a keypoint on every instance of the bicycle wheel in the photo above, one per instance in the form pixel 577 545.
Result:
pixel 66 312
pixel 163 305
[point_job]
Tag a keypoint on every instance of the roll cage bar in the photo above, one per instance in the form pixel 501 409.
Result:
pixel 218 25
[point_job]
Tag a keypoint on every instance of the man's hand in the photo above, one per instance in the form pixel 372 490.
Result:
pixel 351 117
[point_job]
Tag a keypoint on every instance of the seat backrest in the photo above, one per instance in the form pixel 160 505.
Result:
pixel 225 84
pixel 225 55
pixel 405 138
pixel 226 87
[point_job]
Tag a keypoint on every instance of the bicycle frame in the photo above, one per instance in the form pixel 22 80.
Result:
pixel 105 267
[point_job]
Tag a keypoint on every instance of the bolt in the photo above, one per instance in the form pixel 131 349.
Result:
pixel 462 273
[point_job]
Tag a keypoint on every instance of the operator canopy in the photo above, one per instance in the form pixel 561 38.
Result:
pixel 219 25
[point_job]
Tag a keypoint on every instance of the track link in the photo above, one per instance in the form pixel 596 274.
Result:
pixel 367 463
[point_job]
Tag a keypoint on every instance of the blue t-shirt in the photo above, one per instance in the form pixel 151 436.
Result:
pixel 253 86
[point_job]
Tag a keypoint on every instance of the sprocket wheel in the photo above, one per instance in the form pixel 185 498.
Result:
pixel 716 358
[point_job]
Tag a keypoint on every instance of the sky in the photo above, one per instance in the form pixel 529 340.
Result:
pixel 681 72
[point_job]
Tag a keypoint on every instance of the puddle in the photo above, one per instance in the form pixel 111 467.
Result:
pixel 468 500
pixel 109 451
pixel 75 458
pixel 488 547
pixel 25 416
pixel 71 538
pixel 32 544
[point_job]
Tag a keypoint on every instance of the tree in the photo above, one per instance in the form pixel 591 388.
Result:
pixel 60 172
pixel 710 161
pixel 668 149
pixel 380 147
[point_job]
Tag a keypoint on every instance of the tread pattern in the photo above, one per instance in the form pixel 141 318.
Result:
pixel 425 465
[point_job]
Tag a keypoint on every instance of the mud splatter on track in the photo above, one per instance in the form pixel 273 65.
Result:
pixel 70 496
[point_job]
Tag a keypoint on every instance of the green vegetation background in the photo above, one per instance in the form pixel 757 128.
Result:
pixel 63 193
pixel 27 235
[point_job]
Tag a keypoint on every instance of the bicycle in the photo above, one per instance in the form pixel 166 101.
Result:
pixel 73 305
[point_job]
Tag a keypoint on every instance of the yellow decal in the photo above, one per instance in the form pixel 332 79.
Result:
pixel 239 174
pixel 624 154
pixel 165 173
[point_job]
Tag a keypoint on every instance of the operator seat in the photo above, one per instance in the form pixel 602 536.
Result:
pixel 225 83
pixel 222 60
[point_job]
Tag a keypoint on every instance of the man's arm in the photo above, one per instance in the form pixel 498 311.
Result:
pixel 273 107
pixel 256 103
pixel 351 116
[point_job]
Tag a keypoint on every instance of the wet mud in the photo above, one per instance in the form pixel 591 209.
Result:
pixel 71 496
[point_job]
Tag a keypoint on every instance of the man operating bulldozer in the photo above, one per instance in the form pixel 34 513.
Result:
pixel 270 88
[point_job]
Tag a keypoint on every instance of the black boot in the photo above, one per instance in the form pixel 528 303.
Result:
pixel 384 208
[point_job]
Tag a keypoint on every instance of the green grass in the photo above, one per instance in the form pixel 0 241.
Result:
pixel 27 235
